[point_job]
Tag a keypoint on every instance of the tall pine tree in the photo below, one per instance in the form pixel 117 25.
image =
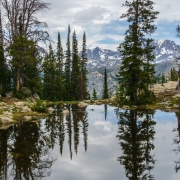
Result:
pixel 67 68
pixel 94 95
pixel 84 71
pixel 59 70
pixel 2 62
pixel 25 61
pixel 136 70
pixel 105 90
pixel 49 68
pixel 75 74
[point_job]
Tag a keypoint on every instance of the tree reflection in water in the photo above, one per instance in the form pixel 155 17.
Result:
pixel 177 141
pixel 28 154
pixel 25 148
pixel 105 111
pixel 136 134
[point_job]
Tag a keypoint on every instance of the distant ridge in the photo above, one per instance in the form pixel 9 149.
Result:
pixel 98 58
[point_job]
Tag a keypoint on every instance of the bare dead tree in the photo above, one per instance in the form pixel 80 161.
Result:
pixel 32 28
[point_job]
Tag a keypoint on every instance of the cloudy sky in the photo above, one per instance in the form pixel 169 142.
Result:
pixel 100 20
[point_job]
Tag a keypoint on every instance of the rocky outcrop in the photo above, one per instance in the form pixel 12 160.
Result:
pixel 167 88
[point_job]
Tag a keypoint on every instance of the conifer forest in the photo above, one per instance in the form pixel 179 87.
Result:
pixel 30 58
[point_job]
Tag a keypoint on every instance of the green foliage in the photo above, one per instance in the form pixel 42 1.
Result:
pixel 84 71
pixel 173 75
pixel 94 95
pixel 20 95
pixel 105 90
pixel 40 106
pixel 49 68
pixel 67 69
pixel 163 80
pixel 59 89
pixel 25 61
pixel 75 72
pixel 88 96
pixel 136 73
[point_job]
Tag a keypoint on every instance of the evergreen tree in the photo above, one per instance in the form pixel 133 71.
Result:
pixel 84 71
pixel 67 70
pixel 2 62
pixel 49 76
pixel 25 61
pixel 75 73
pixel 60 55
pixel 173 75
pixel 59 70
pixel 163 79
pixel 105 91
pixel 94 95
pixel 136 71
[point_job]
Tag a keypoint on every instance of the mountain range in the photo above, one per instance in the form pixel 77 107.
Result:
pixel 165 53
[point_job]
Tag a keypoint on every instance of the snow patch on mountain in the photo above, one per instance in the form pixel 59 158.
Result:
pixel 99 58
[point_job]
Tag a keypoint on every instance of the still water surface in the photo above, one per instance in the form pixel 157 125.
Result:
pixel 93 143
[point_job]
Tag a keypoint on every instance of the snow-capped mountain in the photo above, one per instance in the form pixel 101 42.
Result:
pixel 165 51
pixel 98 57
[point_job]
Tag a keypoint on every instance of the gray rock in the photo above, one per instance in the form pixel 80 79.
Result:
pixel 82 104
pixel 26 91
pixel 19 104
pixel 98 103
pixel 66 111
pixel 125 107
pixel 5 119
pixel 27 118
pixel 9 94
pixel 5 126
pixel 26 109
pixel 3 104
pixel 50 110
pixel 175 106
pixel 36 96
pixel 87 101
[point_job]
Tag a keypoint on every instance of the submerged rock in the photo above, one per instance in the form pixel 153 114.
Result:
pixel 125 107
pixel 66 111
pixel 175 106
pixel 27 118
pixel 98 103
pixel 50 110
pixel 83 104
pixel 5 126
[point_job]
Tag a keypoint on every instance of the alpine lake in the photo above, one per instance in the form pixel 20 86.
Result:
pixel 93 143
